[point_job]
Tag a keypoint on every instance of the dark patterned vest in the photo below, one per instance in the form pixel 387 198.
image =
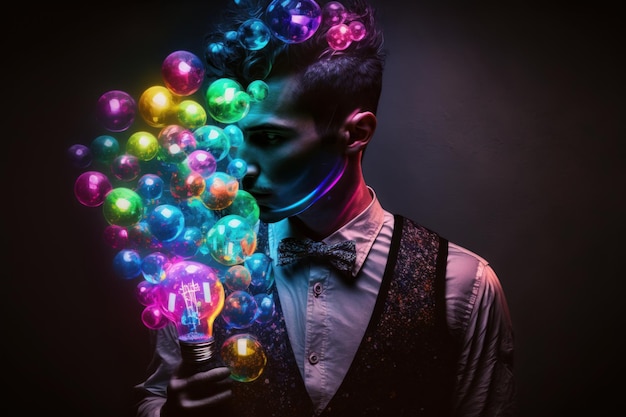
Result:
pixel 405 363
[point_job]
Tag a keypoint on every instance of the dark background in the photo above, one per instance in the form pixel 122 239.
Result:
pixel 501 127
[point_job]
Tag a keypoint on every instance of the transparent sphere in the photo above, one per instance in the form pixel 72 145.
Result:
pixel 105 148
pixel 115 236
pixel 126 167
pixel 144 145
pixel 357 30
pixel 245 357
pixel 235 135
pixel 226 101
pixel 258 90
pixel 91 187
pixel 150 187
pixel 115 110
pixel 153 318
pixel 157 106
pixel 183 72
pixel 293 21
pixel 220 191
pixel 245 206
pixel 187 243
pixel 212 139
pixel 267 307
pixel 172 146
pixel 202 162
pixel 153 267
pixel 237 167
pixel 253 34
pixel 231 240
pixel 146 293
pixel 240 310
pixel 237 278
pixel 191 114
pixel 339 37
pixel 127 263
pixel 186 183
pixel 122 206
pixel 80 155
pixel 260 267
pixel 166 222
pixel 334 13
pixel 140 238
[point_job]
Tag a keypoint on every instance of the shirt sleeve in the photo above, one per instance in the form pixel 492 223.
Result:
pixel 151 394
pixel 478 315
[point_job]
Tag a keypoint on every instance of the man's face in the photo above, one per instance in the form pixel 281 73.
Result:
pixel 291 165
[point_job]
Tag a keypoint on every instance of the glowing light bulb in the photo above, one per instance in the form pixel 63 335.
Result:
pixel 192 296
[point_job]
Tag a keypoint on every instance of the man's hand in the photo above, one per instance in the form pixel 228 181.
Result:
pixel 198 393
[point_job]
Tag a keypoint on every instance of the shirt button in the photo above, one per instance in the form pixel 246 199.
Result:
pixel 313 358
pixel 317 289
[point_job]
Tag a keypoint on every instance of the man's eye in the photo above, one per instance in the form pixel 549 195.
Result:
pixel 265 138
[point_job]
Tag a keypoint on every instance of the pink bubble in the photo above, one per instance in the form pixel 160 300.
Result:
pixel 202 162
pixel 338 37
pixel 116 236
pixel 116 110
pixel 91 187
pixel 183 73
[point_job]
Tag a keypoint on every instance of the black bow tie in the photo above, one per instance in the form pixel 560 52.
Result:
pixel 341 255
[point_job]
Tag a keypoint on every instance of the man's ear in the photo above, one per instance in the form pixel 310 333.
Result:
pixel 359 130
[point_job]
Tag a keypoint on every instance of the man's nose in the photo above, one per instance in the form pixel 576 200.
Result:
pixel 252 172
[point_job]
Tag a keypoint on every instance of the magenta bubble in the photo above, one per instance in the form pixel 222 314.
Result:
pixel 126 167
pixel 91 188
pixel 153 318
pixel 116 236
pixel 183 73
pixel 116 110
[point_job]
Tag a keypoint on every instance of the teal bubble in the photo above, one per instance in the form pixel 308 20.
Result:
pixel 258 90
pixel 212 139
pixel 253 34
pixel 245 206
pixel 231 240
pixel 105 148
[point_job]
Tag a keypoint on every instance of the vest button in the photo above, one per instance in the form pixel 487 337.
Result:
pixel 313 358
pixel 317 289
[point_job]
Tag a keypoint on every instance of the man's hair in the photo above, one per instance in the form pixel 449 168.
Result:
pixel 330 83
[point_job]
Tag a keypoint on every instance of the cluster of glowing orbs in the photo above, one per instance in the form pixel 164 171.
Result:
pixel 191 114
pixel 166 222
pixel 122 206
pixel 231 240
pixel 253 34
pixel 105 148
pixel 202 162
pixel 341 36
pixel 127 263
pixel 80 156
pixel 144 145
pixel 245 357
pixel 126 167
pixel 91 188
pixel 212 139
pixel 192 296
pixel 116 110
pixel 240 310
pixel 220 190
pixel 183 72
pixel 157 105
pixel 293 21
pixel 226 101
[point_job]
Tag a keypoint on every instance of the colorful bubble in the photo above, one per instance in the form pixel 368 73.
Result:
pixel 212 139
pixel 115 236
pixel 183 72
pixel 202 162
pixel 237 278
pixel 235 135
pixel 79 155
pixel 293 21
pixel 231 240
pixel 166 222
pixel 191 114
pixel 240 310
pixel 127 263
pixel 187 243
pixel 115 110
pixel 91 188
pixel 150 187
pixel 258 90
pixel 144 145
pixel 157 106
pixel 220 191
pixel 105 148
pixel 146 293
pixel 253 34
pixel 260 267
pixel 170 148
pixel 126 167
pixel 122 206
pixel 153 318
pixel 244 205
pixel 245 357
pixel 186 183
pixel 153 267
pixel 266 306
pixel 334 13
pixel 237 167
pixel 339 37
pixel 226 101
pixel 357 30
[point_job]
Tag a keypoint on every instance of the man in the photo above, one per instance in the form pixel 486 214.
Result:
pixel 415 325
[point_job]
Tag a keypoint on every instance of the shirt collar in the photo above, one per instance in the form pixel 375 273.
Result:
pixel 363 229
